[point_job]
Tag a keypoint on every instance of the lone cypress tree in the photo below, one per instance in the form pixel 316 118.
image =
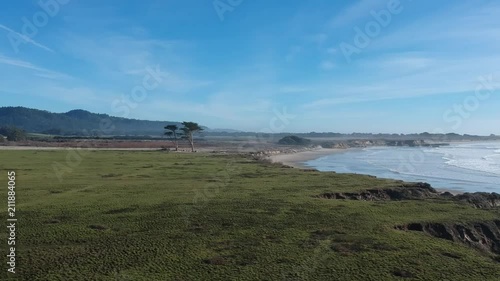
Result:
pixel 173 133
pixel 189 129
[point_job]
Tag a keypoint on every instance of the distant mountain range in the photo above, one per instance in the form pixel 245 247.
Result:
pixel 78 123
pixel 83 123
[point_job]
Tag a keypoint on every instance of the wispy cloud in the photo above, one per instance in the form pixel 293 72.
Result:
pixel 118 57
pixel 220 109
pixel 446 77
pixel 354 12
pixel 25 38
pixel 425 57
pixel 403 63
pixel 473 24
pixel 39 71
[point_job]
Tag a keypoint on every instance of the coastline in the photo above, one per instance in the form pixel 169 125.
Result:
pixel 298 159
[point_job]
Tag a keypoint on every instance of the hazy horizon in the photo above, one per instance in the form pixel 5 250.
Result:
pixel 267 130
pixel 353 66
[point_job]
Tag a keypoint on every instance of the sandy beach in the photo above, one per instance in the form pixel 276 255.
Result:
pixel 297 160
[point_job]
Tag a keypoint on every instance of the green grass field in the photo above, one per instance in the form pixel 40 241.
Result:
pixel 165 216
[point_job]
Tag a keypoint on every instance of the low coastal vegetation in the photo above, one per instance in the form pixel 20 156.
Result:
pixel 127 215
pixel 294 140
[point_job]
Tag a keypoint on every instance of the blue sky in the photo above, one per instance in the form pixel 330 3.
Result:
pixel 344 66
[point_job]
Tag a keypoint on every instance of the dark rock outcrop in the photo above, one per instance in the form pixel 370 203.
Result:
pixel 484 236
pixel 413 191
pixel 404 192
pixel 480 200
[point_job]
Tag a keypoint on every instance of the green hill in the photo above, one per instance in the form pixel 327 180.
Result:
pixel 77 122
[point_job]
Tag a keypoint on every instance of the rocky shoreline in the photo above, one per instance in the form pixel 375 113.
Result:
pixel 482 235
pixel 416 191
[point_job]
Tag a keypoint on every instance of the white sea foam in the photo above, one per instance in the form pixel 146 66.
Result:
pixel 467 166
pixel 480 165
pixel 472 156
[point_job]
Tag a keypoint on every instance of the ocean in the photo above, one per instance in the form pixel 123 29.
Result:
pixel 464 167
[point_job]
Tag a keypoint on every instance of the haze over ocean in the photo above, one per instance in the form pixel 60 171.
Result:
pixel 465 167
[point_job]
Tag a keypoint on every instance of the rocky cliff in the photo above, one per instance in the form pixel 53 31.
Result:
pixel 484 236
pixel 413 191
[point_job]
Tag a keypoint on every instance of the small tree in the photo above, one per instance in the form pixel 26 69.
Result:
pixel 173 133
pixel 189 129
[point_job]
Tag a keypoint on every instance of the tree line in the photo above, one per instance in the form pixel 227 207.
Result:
pixel 12 134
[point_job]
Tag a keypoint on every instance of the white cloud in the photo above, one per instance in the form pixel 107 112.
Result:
pixel 473 24
pixel 402 62
pixel 450 51
pixel 356 11
pixel 410 58
pixel 405 76
pixel 39 71
pixel 219 110
pixel 25 38
pixel 119 58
